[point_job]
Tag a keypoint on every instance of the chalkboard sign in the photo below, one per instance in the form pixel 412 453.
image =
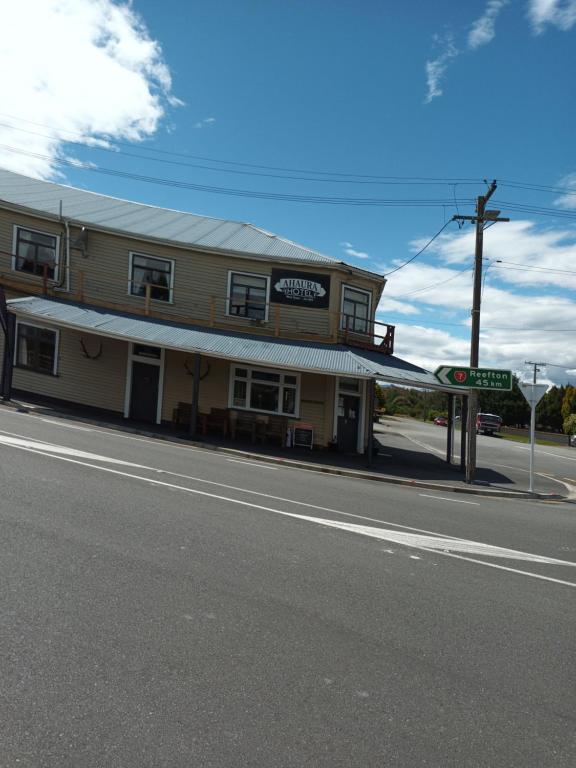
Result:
pixel 303 435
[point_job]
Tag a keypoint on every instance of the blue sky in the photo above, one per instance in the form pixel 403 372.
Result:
pixel 446 90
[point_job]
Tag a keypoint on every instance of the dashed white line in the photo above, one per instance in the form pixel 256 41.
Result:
pixel 253 464
pixel 446 498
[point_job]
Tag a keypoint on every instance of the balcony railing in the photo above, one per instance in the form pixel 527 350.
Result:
pixel 262 317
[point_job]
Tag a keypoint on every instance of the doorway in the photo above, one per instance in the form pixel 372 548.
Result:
pixel 144 394
pixel 144 384
pixel 348 422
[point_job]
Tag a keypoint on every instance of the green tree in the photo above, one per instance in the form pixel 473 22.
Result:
pixel 510 406
pixel 570 425
pixel 549 413
pixel 569 402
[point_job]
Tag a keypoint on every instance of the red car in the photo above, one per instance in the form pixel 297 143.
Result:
pixel 441 421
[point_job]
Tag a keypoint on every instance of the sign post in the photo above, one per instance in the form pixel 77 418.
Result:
pixel 533 394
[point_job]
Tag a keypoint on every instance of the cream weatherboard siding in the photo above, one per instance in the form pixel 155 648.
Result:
pixel 178 383
pixel 99 383
pixel 198 276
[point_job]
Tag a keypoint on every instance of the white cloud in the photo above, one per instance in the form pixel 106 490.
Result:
pixel 557 13
pixel 207 121
pixel 521 318
pixel 436 69
pixel 568 199
pixel 483 29
pixel 349 250
pixel 84 67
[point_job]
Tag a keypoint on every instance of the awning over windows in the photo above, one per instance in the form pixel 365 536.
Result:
pixel 330 359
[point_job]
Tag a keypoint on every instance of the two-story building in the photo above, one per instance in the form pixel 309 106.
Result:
pixel 170 317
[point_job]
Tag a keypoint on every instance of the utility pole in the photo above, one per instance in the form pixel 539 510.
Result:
pixel 482 216
pixel 536 367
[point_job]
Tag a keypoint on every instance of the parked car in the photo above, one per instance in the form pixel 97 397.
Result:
pixel 572 440
pixel 441 421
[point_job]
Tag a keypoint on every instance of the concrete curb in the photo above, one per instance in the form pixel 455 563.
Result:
pixel 293 463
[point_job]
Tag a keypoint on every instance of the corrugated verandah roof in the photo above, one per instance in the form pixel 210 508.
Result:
pixel 147 221
pixel 330 359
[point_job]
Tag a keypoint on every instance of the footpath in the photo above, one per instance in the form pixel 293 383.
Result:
pixel 399 459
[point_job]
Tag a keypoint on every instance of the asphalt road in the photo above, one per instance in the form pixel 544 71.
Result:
pixel 167 606
pixel 558 462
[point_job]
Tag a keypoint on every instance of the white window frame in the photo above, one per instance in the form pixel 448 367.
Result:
pixel 158 361
pixel 367 332
pixel 229 296
pixel 248 380
pixel 157 258
pixel 56 331
pixel 15 229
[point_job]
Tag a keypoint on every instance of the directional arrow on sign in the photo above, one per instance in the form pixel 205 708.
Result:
pixel 442 374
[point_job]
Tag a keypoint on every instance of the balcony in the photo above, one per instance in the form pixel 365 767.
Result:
pixel 262 318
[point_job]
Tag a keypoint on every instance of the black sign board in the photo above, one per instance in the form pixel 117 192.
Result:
pixel 303 435
pixel 300 289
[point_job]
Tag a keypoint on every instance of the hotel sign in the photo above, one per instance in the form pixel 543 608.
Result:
pixel 300 289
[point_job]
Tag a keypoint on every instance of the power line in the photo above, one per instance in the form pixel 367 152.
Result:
pixel 236 171
pixel 407 179
pixel 433 285
pixel 420 251
pixel 369 201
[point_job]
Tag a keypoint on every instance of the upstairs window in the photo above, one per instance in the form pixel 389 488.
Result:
pixel 248 295
pixel 35 253
pixel 355 315
pixel 157 273
pixel 36 348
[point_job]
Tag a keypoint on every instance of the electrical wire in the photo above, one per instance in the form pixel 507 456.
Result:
pixel 379 202
pixel 396 269
pixel 403 179
pixel 433 285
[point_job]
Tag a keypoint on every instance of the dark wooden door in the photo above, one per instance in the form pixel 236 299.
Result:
pixel 144 396
pixel 348 421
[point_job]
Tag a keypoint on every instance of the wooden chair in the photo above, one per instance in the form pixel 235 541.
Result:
pixel 218 420
pixel 243 424
pixel 275 430
pixel 181 416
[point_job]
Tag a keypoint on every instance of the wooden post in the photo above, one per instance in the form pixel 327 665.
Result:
pixel 334 330
pixel 450 429
pixel 147 299
pixel 212 311
pixel 463 428
pixel 8 361
pixel 371 394
pixel 45 279
pixel 195 396
pixel 80 287
pixel 276 321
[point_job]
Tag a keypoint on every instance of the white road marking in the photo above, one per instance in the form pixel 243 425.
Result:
pixel 43 446
pixel 68 426
pixel 445 498
pixel 440 545
pixel 253 464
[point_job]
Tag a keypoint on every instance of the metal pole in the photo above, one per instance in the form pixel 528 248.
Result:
pixel 532 437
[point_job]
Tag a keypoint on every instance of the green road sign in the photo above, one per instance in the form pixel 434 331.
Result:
pixel 474 378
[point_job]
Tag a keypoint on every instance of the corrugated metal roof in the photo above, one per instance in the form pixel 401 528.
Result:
pixel 89 208
pixel 332 359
